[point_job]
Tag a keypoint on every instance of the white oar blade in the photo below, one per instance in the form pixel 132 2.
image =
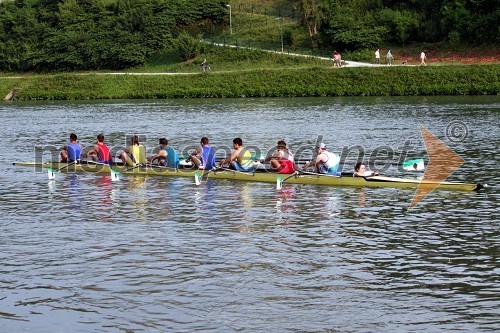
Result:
pixel 414 165
pixel 279 183
pixel 51 173
pixel 197 179
pixel 114 175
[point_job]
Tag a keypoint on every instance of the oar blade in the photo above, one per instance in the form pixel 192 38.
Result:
pixel 279 183
pixel 197 179
pixel 114 175
pixel 51 173
pixel 414 165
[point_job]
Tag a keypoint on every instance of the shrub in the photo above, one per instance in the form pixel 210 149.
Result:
pixel 187 46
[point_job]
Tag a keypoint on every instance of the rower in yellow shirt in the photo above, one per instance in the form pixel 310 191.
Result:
pixel 135 153
pixel 240 159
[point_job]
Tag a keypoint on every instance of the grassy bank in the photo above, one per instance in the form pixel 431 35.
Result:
pixel 314 81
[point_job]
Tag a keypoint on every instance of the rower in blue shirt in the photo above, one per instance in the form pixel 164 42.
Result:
pixel 204 156
pixel 71 151
pixel 166 156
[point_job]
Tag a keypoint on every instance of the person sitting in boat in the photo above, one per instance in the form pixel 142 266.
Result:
pixel 325 162
pixel 204 156
pixel 71 151
pixel 282 160
pixel 135 153
pixel 166 156
pixel 240 159
pixel 100 153
pixel 360 171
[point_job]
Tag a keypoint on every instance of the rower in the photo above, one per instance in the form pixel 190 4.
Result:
pixel 282 160
pixel 360 171
pixel 135 153
pixel 100 153
pixel 240 159
pixel 326 162
pixel 71 151
pixel 166 156
pixel 204 156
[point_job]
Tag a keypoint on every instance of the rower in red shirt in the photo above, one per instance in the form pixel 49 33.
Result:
pixel 282 160
pixel 100 153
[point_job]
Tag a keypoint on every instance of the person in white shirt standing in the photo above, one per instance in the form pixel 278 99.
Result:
pixel 377 57
pixel 422 59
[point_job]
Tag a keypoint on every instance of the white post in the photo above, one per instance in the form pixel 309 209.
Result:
pixel 282 35
pixel 281 32
pixel 230 21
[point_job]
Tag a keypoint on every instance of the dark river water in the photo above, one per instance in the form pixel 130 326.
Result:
pixel 151 254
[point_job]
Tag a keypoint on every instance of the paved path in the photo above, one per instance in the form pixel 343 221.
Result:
pixel 346 63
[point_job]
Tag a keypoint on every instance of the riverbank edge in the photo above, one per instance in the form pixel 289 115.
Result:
pixel 279 82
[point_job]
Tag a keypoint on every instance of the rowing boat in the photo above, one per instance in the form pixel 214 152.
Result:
pixel 346 179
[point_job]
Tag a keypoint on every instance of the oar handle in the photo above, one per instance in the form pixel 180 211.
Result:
pixel 67 165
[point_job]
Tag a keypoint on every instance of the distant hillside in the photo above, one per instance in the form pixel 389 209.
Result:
pixel 357 27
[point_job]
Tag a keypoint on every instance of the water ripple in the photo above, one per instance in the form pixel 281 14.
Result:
pixel 83 253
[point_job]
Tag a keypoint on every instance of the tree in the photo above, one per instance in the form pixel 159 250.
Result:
pixel 288 37
pixel 401 23
pixel 309 16
pixel 187 46
pixel 349 28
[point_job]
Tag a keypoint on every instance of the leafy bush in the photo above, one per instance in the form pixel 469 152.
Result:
pixel 288 37
pixel 275 82
pixel 187 46
pixel 81 34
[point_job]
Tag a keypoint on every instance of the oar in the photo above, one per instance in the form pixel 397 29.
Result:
pixel 52 173
pixel 198 178
pixel 414 165
pixel 279 181
pixel 115 174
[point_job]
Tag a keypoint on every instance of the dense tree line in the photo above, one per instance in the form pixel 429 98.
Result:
pixel 68 35
pixel 356 24
pixel 94 34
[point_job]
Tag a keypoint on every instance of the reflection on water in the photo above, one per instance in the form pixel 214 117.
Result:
pixel 285 205
pixel 82 253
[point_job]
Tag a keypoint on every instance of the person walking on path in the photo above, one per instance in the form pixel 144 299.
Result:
pixel 336 59
pixel 377 57
pixel 389 58
pixel 422 59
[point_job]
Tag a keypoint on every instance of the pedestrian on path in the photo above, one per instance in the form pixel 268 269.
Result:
pixel 336 59
pixel 389 58
pixel 377 57
pixel 422 59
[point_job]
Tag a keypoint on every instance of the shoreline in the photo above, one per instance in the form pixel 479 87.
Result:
pixel 380 80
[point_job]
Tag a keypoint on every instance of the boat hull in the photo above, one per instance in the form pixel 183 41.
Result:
pixel 261 176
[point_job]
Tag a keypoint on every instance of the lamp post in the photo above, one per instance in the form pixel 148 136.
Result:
pixel 230 21
pixel 281 31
